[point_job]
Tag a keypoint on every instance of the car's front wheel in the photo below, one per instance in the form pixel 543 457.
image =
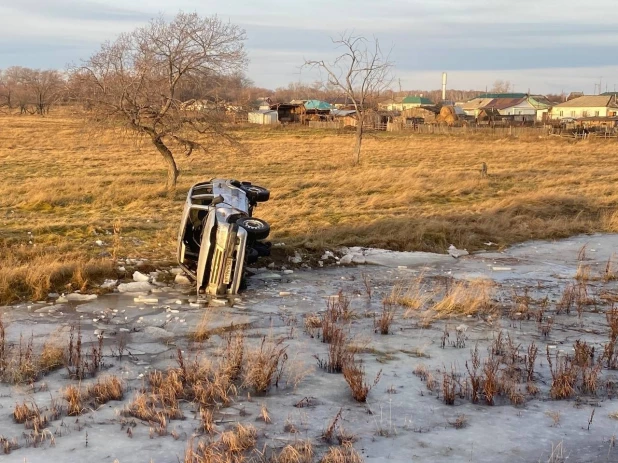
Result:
pixel 257 194
pixel 257 229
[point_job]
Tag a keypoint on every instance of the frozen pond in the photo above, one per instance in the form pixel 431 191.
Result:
pixel 405 417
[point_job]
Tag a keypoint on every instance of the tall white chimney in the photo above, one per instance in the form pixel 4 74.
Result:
pixel 443 86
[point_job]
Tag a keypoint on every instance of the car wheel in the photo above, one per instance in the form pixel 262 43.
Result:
pixel 257 193
pixel 256 228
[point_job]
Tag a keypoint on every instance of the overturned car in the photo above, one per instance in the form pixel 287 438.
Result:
pixel 218 235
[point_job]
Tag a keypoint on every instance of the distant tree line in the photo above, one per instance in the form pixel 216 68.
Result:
pixel 31 91
pixel 35 91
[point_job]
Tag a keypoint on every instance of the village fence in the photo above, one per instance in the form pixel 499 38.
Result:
pixel 494 131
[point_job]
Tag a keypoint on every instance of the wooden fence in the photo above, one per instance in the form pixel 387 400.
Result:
pixel 499 132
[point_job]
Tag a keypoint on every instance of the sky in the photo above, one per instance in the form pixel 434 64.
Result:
pixel 545 46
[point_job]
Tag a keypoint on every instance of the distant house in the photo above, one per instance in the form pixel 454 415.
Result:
pixel 587 106
pixel 526 109
pixel 340 102
pixel 502 95
pixel 317 105
pixel 419 115
pixel 514 106
pixel 474 106
pixel 408 102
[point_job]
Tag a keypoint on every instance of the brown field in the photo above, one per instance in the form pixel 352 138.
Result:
pixel 69 187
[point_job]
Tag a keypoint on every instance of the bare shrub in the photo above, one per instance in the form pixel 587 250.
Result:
pixel 555 416
pixel 583 272
pixel 474 374
pixel 530 360
pixel 207 422
pixel 460 422
pixel 490 379
pixel 449 388
pixel 264 415
pixel 338 351
pixel 567 299
pixel 609 352
pixel 383 324
pixel 329 433
pixel 545 327
pixel 3 349
pixel 354 374
pixel 610 274
pixel 564 376
pixel 367 284
pixel 8 445
pixel 234 354
pixel 80 363
pixel 337 310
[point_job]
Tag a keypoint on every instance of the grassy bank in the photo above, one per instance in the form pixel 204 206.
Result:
pixel 65 188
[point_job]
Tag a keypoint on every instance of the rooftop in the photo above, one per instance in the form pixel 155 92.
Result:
pixel 420 100
pixel 588 101
pixel 318 105
pixel 503 95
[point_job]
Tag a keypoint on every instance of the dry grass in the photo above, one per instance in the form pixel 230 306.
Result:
pixel 429 184
pixel 106 389
pixel 298 452
pixel 264 365
pixel 24 412
pixel 466 298
pixel 413 296
pixel 52 357
pixel 74 399
pixel 343 454
pixel 229 448
pixel 202 330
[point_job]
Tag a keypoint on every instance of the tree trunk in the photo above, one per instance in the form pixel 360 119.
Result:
pixel 359 140
pixel 172 169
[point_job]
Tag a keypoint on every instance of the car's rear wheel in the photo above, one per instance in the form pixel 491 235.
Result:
pixel 257 229
pixel 257 194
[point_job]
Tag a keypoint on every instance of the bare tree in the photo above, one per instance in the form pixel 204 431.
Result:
pixel 11 90
pixel 360 72
pixel 502 86
pixel 32 90
pixel 42 87
pixel 139 80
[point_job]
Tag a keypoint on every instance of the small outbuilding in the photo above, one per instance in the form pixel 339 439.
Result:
pixel 263 117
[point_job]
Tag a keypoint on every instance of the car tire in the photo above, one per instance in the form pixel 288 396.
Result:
pixel 257 229
pixel 256 193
